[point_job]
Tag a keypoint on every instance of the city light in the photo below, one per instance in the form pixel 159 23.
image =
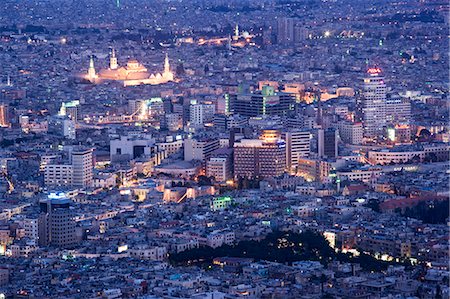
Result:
pixel 218 149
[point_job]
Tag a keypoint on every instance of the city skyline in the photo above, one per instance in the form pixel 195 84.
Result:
pixel 224 149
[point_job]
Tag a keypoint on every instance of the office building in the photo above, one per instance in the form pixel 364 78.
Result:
pixel 58 174
pixel 327 143
pixel 82 167
pixel 77 172
pixel 399 133
pixel 135 106
pixel 263 157
pixel 297 146
pixel 373 103
pixel 398 111
pixel 262 102
pixel 300 33
pixel 146 109
pixel 56 224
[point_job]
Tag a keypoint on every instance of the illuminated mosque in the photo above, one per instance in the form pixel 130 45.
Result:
pixel 132 74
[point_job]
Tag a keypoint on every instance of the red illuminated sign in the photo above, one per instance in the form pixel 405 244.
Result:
pixel 374 71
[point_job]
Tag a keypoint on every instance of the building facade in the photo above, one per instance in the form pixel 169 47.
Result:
pixel 264 157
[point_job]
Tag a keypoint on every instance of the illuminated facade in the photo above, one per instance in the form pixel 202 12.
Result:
pixel 373 103
pixel 264 157
pixel 132 74
pixel 297 146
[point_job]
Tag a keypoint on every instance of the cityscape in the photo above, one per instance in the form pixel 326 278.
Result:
pixel 220 149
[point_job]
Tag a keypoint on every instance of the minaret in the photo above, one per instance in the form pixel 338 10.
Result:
pixel 166 64
pixel 167 74
pixel 236 32
pixel 8 81
pixel 113 60
pixel 91 71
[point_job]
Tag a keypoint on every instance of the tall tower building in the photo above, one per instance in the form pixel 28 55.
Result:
pixel 297 146
pixel 373 103
pixel 285 33
pixel 82 167
pixel 113 60
pixel 56 225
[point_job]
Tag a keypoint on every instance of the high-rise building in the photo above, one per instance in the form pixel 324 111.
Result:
pixel 56 224
pixel 285 31
pixel 373 103
pixel 398 111
pixel 77 173
pixel 261 102
pixel 327 145
pixel 297 146
pixel 263 157
pixel 82 167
